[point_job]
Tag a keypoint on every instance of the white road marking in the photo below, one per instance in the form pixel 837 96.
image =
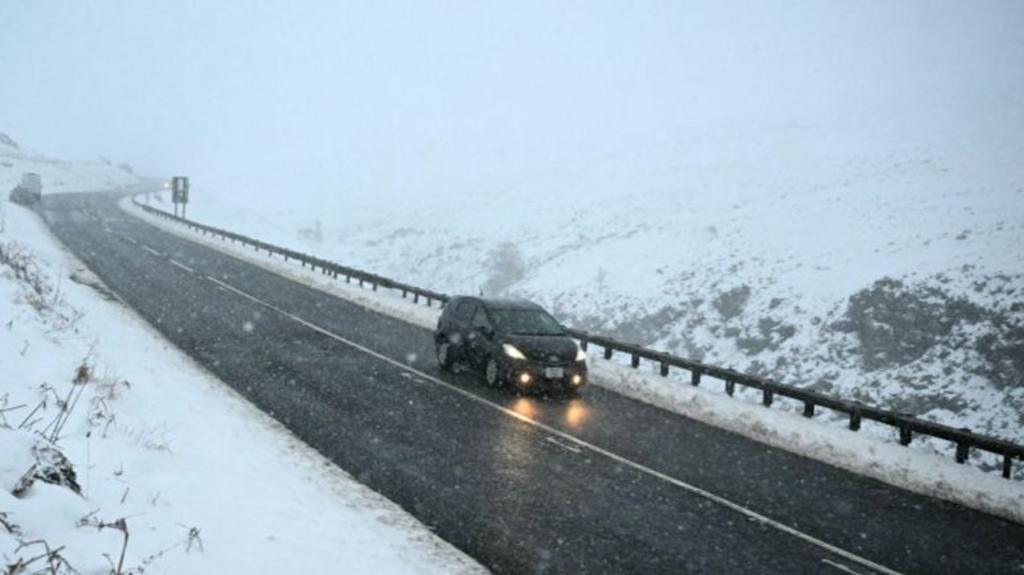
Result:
pixel 181 265
pixel 127 237
pixel 839 566
pixel 749 513
pixel 571 448
pixel 151 250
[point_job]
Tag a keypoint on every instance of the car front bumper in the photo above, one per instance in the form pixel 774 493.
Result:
pixel 535 375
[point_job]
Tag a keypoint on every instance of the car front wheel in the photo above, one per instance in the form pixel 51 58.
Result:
pixel 492 371
pixel 444 355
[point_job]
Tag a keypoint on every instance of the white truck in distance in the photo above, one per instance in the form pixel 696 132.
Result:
pixel 29 191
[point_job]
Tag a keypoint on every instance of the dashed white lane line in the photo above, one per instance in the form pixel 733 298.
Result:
pixel 127 238
pixel 181 265
pixel 579 443
pixel 152 251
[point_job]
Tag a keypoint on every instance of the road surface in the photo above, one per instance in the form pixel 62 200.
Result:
pixel 596 484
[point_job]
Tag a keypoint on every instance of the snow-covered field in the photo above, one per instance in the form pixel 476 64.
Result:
pixel 927 467
pixel 119 453
pixel 856 262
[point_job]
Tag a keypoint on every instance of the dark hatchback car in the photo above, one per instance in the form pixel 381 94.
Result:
pixel 514 342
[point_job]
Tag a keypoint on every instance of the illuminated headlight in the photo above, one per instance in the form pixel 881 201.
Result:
pixel 581 355
pixel 524 378
pixel 511 351
pixel 577 379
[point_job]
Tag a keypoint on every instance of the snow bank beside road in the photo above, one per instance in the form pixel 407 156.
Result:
pixel 205 482
pixel 920 468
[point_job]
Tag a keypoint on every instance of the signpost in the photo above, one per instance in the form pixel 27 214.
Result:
pixel 179 193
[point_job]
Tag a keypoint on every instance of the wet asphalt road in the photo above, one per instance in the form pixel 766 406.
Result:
pixel 473 463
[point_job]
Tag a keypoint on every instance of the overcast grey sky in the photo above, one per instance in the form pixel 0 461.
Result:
pixel 399 95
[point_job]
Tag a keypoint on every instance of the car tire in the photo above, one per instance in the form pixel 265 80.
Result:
pixel 492 373
pixel 444 355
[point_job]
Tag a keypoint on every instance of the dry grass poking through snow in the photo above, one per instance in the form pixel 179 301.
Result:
pixel 36 473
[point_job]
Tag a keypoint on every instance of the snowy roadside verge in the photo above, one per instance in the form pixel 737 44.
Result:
pixel 107 431
pixel 920 468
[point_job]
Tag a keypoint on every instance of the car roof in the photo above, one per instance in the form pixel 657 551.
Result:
pixel 502 303
pixel 509 303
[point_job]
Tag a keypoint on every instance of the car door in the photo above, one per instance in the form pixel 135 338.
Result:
pixel 481 335
pixel 459 328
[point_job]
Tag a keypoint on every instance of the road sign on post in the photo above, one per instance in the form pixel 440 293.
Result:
pixel 179 193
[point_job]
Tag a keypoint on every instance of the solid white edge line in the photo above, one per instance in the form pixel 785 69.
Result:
pixel 181 265
pixel 754 515
pixel 839 566
pixel 555 441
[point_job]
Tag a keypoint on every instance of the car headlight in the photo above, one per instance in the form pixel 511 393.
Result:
pixel 511 351
pixel 581 355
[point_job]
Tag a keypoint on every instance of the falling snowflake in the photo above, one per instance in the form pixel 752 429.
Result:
pixel 248 327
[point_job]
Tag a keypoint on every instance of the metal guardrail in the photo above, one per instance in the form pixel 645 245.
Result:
pixel 326 267
pixel 907 425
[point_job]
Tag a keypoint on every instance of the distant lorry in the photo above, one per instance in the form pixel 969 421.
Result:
pixel 29 191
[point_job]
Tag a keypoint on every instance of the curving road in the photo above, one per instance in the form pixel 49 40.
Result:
pixel 600 484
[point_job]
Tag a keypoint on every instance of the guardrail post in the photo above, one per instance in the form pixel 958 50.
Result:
pixel 768 397
pixel 429 301
pixel 583 344
pixel 905 435
pixel 404 293
pixel 415 298
pixel 608 352
pixel 374 287
pixel 664 369
pixel 963 449
pixel 360 282
pixel 808 409
pixel 730 387
pixel 695 377
pixel 634 361
pixel 855 419
pixel 1007 466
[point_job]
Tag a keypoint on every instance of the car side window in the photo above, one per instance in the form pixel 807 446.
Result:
pixel 480 319
pixel 464 311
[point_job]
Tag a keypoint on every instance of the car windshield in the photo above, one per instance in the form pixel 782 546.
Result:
pixel 526 322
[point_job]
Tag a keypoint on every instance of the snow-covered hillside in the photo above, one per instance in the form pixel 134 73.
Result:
pixel 60 175
pixel 865 266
